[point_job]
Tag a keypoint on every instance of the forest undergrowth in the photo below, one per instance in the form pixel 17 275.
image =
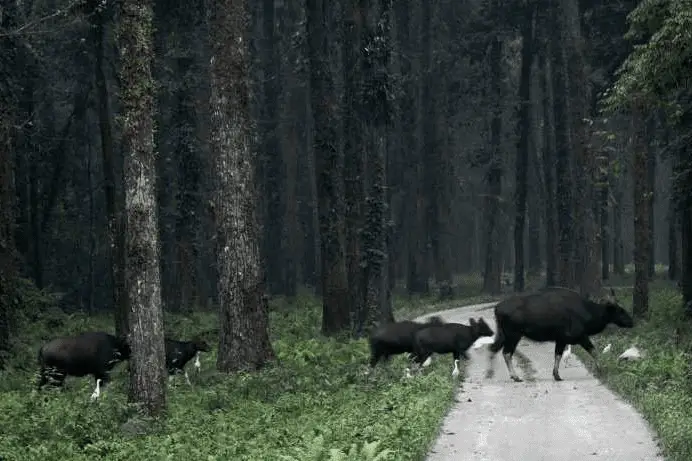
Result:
pixel 660 385
pixel 313 403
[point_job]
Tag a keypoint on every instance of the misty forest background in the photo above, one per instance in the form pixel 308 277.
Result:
pixel 152 161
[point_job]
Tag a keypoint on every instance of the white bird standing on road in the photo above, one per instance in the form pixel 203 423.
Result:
pixel 455 372
pixel 97 392
pixel 607 349
pixel 567 353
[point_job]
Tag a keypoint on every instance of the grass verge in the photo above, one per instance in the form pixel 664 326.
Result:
pixel 313 403
pixel 660 385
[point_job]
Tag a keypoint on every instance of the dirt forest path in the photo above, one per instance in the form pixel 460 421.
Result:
pixel 539 419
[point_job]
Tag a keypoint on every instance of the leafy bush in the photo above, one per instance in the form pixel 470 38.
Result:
pixel 659 385
pixel 313 403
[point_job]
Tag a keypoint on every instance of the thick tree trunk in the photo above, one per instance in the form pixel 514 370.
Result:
pixel 524 128
pixel 329 170
pixel 145 316
pixel 686 227
pixel 243 309
pixel 112 179
pixel 354 153
pixel 375 86
pixel 642 202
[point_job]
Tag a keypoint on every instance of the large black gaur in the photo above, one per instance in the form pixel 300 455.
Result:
pixel 553 314
pixel 92 353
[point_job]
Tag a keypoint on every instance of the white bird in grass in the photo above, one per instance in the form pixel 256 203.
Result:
pixel 631 354
pixel 97 392
pixel 567 353
pixel 198 365
pixel 427 362
pixel 407 373
pixel 607 349
pixel 455 372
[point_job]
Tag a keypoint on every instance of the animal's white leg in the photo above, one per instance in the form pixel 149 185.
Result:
pixel 508 361
pixel 187 378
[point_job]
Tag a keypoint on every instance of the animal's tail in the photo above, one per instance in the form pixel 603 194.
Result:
pixel 499 336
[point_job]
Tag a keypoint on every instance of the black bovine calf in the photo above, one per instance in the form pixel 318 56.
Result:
pixel 396 338
pixel 178 353
pixel 450 338
pixel 555 315
pixel 93 353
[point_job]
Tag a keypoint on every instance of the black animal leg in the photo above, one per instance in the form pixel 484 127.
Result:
pixel 589 347
pixel 559 350
pixel 507 353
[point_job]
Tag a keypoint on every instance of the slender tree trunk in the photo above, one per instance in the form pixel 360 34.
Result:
pixel 642 202
pixel 524 127
pixel 329 170
pixel 548 169
pixel 603 216
pixel 493 179
pixel 618 243
pixel 651 182
pixel 116 234
pixel 243 309
pixel 673 266
pixel 686 227
pixel 145 316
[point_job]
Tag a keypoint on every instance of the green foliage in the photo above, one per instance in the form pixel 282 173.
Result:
pixel 314 403
pixel 659 385
pixel 657 67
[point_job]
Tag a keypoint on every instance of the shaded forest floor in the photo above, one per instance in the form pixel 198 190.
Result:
pixel 313 403
pixel 660 385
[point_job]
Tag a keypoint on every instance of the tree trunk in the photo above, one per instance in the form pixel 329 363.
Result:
pixel 651 182
pixel 145 316
pixel 642 202
pixel 329 169
pixel 375 86
pixel 686 227
pixel 354 151
pixel 243 309
pixel 673 266
pixel 618 243
pixel 112 180
pixel 493 253
pixel 524 128
pixel 548 169
pixel 603 216
pixel 563 176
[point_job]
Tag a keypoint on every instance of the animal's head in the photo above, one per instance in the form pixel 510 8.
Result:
pixel 201 345
pixel 617 314
pixel 481 328
pixel 123 348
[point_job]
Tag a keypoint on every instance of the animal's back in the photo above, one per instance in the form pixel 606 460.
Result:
pixel 76 354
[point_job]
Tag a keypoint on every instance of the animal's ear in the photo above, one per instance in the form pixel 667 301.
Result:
pixel 472 322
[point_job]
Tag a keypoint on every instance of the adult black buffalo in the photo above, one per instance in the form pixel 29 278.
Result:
pixel 553 314
pixel 92 353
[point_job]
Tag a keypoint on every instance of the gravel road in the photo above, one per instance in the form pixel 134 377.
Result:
pixel 539 419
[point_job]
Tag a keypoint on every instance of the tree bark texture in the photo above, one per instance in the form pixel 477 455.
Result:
pixel 243 310
pixel 548 169
pixel 524 128
pixel 329 169
pixel 145 316
pixel 493 178
pixel 642 202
